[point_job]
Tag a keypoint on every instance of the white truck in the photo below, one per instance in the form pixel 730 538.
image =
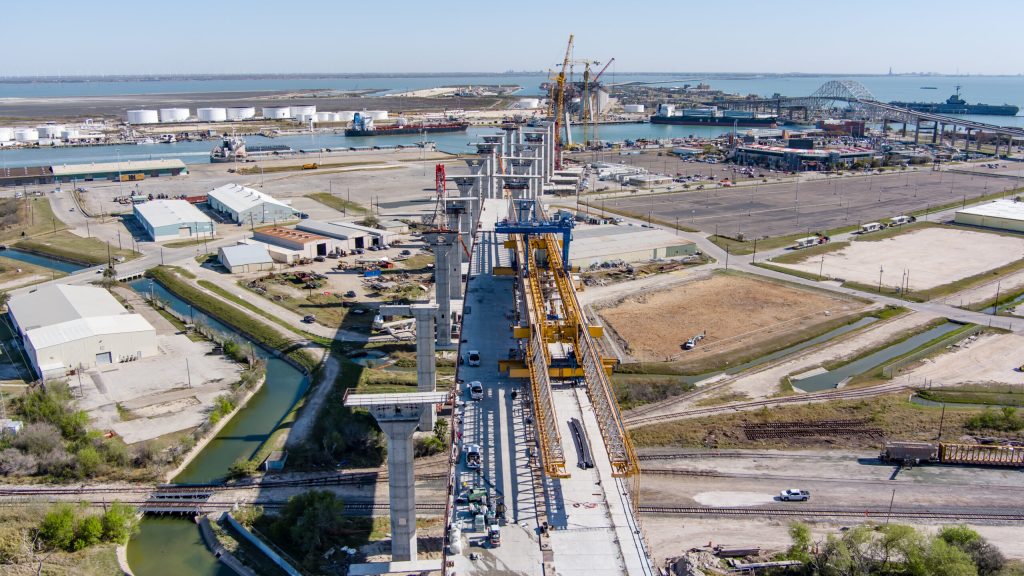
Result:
pixel 794 495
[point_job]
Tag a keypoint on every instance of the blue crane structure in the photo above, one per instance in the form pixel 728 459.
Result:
pixel 530 220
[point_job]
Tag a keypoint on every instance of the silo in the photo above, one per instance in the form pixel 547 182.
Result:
pixel 346 116
pixel 323 116
pixel 6 134
pixel 243 113
pixel 170 115
pixel 277 112
pixel 212 114
pixel 69 134
pixel 376 114
pixel 50 130
pixel 26 135
pixel 143 117
pixel 303 112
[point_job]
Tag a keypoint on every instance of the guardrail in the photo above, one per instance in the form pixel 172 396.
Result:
pixel 893 368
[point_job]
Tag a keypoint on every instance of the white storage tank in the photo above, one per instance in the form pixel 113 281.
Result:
pixel 375 114
pixel 277 112
pixel 143 117
pixel 346 116
pixel 50 130
pixel 170 115
pixel 26 135
pixel 324 116
pixel 634 108
pixel 303 112
pixel 6 134
pixel 243 113
pixel 69 134
pixel 526 103
pixel 212 114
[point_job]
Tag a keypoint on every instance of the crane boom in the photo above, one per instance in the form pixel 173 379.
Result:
pixel 598 77
pixel 560 104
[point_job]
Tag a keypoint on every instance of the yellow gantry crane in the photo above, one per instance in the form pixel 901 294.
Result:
pixel 559 111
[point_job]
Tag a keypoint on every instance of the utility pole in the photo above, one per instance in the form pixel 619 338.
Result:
pixel 995 305
pixel 753 257
pixel 891 500
pixel 188 372
pixel 879 279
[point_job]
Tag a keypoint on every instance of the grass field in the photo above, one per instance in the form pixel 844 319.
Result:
pixel 18 525
pixel 339 204
pixel 894 414
pixel 24 218
pixel 64 245
pixel 993 394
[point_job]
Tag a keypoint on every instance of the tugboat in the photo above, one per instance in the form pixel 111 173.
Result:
pixel 957 105
pixel 231 148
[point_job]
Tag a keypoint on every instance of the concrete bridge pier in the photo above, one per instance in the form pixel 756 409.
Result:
pixel 917 131
pixel 935 132
pixel 904 131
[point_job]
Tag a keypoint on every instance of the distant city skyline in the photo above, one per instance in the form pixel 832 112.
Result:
pixel 118 37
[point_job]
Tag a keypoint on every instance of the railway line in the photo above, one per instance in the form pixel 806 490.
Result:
pixel 169 489
pixel 1013 516
pixel 816 479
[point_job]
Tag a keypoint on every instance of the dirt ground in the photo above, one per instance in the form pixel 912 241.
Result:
pixel 933 257
pixel 992 359
pixel 736 311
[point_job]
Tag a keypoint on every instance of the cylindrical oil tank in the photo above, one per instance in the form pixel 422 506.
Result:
pixel 6 134
pixel 143 117
pixel 212 114
pixel 346 116
pixel 376 114
pixel 277 112
pixel 69 134
pixel 243 113
pixel 26 135
pixel 170 115
pixel 50 130
pixel 301 112
pixel 529 103
pixel 633 108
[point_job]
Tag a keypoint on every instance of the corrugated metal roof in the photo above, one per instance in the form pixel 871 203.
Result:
pixel 239 198
pixel 57 334
pixel 343 230
pixel 161 213
pixel 242 254
pixel 59 303
pixel 110 167
pixel 1005 208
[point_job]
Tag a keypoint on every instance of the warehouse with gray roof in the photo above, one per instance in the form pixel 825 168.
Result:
pixel 173 220
pixel 247 206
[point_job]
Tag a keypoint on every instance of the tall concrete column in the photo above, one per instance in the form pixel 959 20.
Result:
pixel 398 415
pixel 426 352
pixel 441 243
pixel 935 132
pixel 455 255
pixel 917 131
pixel 401 487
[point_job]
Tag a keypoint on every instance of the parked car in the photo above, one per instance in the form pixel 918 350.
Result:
pixel 309 319
pixel 473 358
pixel 350 294
pixel 794 495
pixel 319 259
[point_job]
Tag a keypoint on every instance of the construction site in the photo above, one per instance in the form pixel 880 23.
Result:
pixel 623 371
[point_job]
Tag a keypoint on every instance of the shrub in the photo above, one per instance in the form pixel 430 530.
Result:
pixel 309 523
pixel 14 462
pixel 52 402
pixel 58 527
pixel 89 461
pixel 242 467
pixel 39 438
pixel 1004 420
pixel 88 532
pixel 119 523
pixel 427 445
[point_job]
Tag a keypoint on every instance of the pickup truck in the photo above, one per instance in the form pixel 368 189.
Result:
pixel 794 495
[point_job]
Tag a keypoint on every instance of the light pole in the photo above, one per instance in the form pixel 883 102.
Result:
pixel 879 279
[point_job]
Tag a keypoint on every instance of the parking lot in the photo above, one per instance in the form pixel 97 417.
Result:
pixel 808 205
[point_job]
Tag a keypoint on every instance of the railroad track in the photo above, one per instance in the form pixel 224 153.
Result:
pixel 691 473
pixel 184 506
pixel 754 404
pixel 342 480
pixel 796 511
pixel 715 454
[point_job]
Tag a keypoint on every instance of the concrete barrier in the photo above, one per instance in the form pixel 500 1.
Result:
pixel 274 556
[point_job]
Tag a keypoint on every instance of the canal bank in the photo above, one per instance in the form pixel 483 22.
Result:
pixel 167 545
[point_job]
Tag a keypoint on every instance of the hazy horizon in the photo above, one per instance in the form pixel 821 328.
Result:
pixel 65 38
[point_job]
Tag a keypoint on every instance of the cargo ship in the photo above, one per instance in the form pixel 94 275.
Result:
pixel 362 126
pixel 957 105
pixel 712 117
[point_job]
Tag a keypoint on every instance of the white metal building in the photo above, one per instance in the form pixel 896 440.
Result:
pixel 351 236
pixel 296 243
pixel 172 220
pixel 1005 214
pixel 242 258
pixel 592 245
pixel 67 328
pixel 247 206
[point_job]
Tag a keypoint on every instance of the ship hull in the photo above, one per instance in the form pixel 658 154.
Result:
pixel 941 108
pixel 715 121
pixel 389 131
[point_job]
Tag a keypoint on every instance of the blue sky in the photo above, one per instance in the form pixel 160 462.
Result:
pixel 76 37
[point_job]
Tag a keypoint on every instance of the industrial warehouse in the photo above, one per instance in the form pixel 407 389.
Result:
pixel 790 158
pixel 352 236
pixel 114 171
pixel 173 219
pixel 244 205
pixel 67 328
pixel 1004 214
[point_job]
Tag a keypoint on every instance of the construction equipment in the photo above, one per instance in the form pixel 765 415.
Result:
pixel 559 112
